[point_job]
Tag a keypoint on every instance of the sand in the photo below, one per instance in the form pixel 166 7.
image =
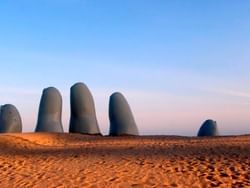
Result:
pixel 73 160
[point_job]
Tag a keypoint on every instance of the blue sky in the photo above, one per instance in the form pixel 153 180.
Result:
pixel 177 62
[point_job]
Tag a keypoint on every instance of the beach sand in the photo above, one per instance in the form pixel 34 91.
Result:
pixel 74 160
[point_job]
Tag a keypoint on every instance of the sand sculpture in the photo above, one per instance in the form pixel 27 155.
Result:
pixel 208 128
pixel 121 118
pixel 83 115
pixel 50 111
pixel 10 119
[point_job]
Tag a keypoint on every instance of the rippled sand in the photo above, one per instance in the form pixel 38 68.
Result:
pixel 73 160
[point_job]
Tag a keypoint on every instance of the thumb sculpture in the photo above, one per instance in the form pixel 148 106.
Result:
pixel 83 115
pixel 121 118
pixel 208 128
pixel 50 111
pixel 10 119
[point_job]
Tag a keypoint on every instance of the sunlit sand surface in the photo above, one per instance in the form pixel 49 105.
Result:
pixel 73 160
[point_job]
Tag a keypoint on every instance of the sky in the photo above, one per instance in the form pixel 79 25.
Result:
pixel 177 62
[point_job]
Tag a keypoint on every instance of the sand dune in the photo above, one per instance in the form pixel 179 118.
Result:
pixel 73 160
